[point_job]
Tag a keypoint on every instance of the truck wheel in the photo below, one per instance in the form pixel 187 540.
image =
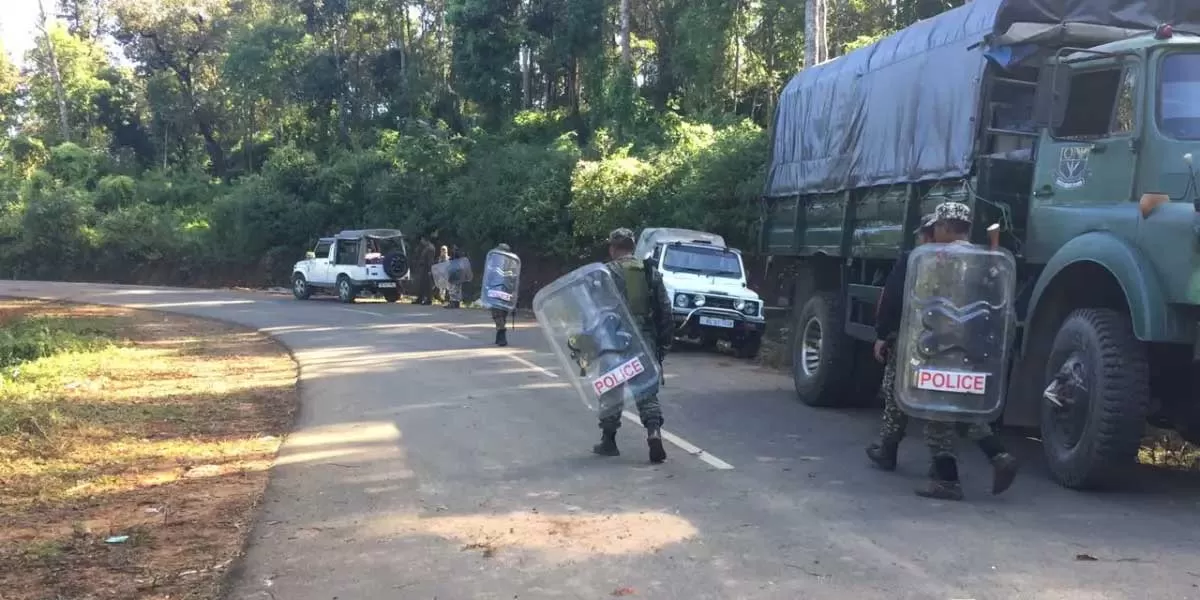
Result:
pixel 822 354
pixel 300 287
pixel 1103 386
pixel 346 291
pixel 391 295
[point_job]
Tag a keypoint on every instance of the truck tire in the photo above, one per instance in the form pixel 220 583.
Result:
pixel 395 265
pixel 300 287
pixel 822 354
pixel 1093 441
pixel 345 290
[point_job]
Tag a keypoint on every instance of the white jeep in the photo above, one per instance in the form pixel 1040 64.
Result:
pixel 351 262
pixel 706 282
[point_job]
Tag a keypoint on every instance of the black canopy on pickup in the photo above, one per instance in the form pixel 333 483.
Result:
pixel 902 110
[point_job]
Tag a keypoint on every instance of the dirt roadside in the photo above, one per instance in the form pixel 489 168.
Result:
pixel 134 449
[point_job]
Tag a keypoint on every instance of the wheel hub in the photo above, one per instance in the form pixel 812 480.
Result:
pixel 810 347
pixel 1068 395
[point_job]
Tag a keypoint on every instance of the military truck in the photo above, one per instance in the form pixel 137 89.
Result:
pixel 1071 124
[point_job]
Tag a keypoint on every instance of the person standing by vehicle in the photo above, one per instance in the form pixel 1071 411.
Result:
pixel 650 307
pixel 455 290
pixel 953 226
pixel 500 316
pixel 422 261
pixel 443 255
pixel 887 326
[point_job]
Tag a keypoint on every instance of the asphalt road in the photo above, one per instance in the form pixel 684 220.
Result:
pixel 426 463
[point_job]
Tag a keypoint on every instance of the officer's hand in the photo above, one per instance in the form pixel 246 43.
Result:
pixel 880 351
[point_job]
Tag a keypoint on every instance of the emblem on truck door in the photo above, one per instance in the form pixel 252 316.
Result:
pixel 1072 167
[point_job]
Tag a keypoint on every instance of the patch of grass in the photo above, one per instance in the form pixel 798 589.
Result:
pixel 124 423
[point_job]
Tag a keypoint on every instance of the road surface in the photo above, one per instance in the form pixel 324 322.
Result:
pixel 426 463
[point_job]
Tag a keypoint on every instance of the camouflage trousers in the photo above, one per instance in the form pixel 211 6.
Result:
pixel 895 422
pixel 454 292
pixel 939 436
pixel 649 410
pixel 500 318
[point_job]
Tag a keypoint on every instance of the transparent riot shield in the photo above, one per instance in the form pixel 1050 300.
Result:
pixel 501 277
pixel 955 332
pixel 590 329
pixel 451 272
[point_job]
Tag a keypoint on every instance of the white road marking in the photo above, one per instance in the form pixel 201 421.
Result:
pixel 447 331
pixel 684 445
pixel 681 443
pixel 358 312
pixel 533 365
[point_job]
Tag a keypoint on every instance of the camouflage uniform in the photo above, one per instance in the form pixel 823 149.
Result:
pixel 651 310
pixel 939 436
pixel 894 422
pixel 631 277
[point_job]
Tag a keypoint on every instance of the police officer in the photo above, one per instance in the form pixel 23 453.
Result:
pixel 887 325
pixel 651 310
pixel 952 225
pixel 500 316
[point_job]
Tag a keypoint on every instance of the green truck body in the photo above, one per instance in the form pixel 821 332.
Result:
pixel 1078 142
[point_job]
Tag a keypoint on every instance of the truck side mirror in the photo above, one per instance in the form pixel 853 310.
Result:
pixel 310 255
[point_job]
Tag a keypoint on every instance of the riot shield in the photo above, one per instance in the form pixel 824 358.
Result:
pixel 599 345
pixel 955 332
pixel 501 276
pixel 451 272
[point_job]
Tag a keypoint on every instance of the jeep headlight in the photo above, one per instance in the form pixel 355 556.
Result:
pixel 699 300
pixel 750 309
pixel 681 300
pixel 739 305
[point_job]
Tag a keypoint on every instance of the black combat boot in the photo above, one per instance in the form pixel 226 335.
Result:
pixel 654 440
pixel 883 454
pixel 501 337
pixel 607 445
pixel 944 484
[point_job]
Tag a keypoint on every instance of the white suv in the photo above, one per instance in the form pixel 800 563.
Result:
pixel 706 282
pixel 373 260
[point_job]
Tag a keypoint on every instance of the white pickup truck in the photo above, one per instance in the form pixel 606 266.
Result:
pixel 706 281
pixel 371 260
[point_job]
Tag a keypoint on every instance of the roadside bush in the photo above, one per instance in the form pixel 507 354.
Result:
pixel 28 339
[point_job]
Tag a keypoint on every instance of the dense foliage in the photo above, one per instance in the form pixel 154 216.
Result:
pixel 209 141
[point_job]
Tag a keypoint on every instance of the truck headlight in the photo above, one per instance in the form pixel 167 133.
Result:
pixel 699 300
pixel 739 305
pixel 681 300
pixel 751 309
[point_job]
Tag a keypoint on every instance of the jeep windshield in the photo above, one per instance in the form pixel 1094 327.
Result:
pixel 1179 96
pixel 716 262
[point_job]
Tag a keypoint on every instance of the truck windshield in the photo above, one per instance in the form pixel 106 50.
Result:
pixel 1179 96
pixel 705 261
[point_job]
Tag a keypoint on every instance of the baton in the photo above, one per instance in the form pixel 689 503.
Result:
pixel 993 232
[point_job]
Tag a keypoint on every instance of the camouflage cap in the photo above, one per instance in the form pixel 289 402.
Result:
pixel 927 222
pixel 952 211
pixel 619 235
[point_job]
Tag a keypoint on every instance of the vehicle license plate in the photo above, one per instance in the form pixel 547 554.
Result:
pixel 715 322
pixel 958 382
pixel 624 372
pixel 386 284
pixel 500 295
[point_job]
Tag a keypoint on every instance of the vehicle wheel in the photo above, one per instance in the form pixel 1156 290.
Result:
pixel 395 264
pixel 748 348
pixel 346 291
pixel 1104 389
pixel 391 295
pixel 822 354
pixel 300 287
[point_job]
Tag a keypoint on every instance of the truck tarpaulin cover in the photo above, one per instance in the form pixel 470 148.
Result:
pixel 902 110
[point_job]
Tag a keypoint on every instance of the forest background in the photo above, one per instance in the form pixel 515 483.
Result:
pixel 209 142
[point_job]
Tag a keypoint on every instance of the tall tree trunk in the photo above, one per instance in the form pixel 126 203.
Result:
pixel 60 93
pixel 626 49
pixel 815 42
pixel 526 77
